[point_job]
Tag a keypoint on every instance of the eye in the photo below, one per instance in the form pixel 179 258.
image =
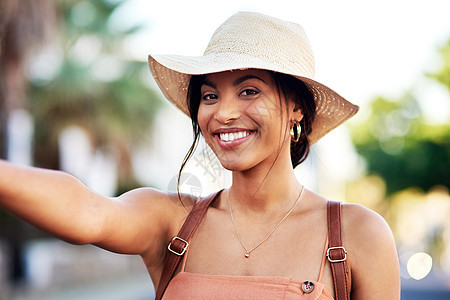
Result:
pixel 209 97
pixel 249 92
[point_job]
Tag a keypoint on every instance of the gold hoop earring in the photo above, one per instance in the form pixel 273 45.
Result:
pixel 296 131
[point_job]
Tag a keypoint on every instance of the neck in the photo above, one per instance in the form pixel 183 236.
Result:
pixel 263 188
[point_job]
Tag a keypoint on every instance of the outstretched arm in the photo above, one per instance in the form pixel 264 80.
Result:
pixel 51 200
pixel 134 223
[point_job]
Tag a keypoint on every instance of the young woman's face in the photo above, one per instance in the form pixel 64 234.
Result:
pixel 243 119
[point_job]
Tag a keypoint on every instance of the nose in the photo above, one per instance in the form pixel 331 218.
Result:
pixel 227 110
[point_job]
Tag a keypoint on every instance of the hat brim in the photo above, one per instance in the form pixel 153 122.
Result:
pixel 172 73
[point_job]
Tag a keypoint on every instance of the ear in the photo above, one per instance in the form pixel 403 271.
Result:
pixel 296 112
pixel 297 115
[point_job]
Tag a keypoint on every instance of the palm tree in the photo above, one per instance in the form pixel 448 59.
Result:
pixel 96 87
pixel 24 26
pixel 91 84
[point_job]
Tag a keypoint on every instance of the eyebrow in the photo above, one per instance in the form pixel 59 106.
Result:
pixel 209 83
pixel 235 83
pixel 244 78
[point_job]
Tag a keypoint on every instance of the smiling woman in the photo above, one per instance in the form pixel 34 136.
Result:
pixel 253 98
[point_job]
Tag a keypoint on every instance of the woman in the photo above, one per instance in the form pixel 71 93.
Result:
pixel 252 97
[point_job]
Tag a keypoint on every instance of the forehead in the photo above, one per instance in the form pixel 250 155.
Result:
pixel 234 75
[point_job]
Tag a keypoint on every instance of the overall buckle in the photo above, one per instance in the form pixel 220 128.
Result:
pixel 186 244
pixel 336 260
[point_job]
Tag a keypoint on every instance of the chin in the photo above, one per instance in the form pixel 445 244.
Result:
pixel 234 160
pixel 233 167
pixel 237 164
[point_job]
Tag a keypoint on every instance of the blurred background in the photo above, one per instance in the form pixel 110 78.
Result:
pixel 76 94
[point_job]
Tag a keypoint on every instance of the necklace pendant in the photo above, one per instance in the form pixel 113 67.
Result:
pixel 247 255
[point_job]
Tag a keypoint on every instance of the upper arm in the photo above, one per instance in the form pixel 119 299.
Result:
pixel 139 222
pixel 372 254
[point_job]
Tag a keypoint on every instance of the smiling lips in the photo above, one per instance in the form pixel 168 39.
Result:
pixel 227 139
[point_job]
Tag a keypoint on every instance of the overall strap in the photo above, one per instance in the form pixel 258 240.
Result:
pixel 336 253
pixel 179 244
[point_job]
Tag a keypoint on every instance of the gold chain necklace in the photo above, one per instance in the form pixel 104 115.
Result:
pixel 247 252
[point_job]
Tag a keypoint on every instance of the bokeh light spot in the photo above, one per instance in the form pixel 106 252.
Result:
pixel 419 265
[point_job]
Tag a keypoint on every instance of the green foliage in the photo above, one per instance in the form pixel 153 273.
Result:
pixel 401 147
pixel 443 75
pixel 421 163
pixel 95 86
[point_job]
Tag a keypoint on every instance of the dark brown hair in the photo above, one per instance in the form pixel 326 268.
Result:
pixel 292 88
pixel 296 90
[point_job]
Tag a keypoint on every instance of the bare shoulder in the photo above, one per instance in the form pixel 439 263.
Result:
pixel 162 211
pixel 158 200
pixel 362 224
pixel 372 255
pixel 365 231
pixel 141 221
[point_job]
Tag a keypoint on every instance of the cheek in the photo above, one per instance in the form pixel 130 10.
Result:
pixel 203 117
pixel 266 109
pixel 273 118
pixel 267 114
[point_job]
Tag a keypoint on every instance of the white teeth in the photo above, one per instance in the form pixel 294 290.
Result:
pixel 227 137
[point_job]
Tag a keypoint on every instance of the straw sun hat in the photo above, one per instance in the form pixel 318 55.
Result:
pixel 252 40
